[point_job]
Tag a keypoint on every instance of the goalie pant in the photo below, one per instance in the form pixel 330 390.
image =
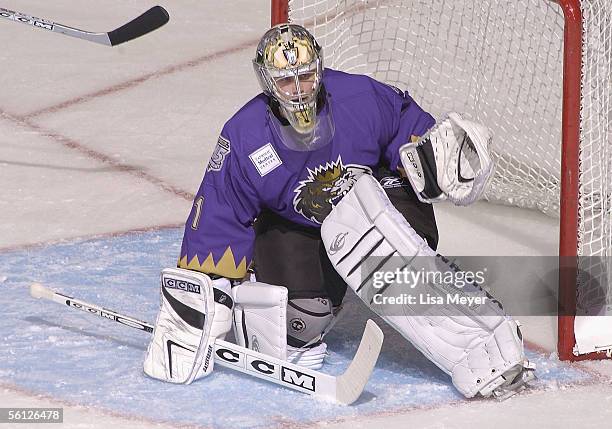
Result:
pixel 478 345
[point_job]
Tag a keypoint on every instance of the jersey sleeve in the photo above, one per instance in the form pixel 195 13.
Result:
pixel 219 236
pixel 401 120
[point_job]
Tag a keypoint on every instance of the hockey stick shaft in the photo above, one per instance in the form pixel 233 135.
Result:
pixel 39 291
pixel 151 20
pixel 344 389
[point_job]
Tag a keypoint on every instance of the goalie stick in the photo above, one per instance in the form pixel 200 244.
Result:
pixel 343 389
pixel 151 20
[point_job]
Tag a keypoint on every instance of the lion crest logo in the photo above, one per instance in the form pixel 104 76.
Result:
pixel 324 187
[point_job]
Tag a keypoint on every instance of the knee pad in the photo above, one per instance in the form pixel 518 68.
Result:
pixel 307 320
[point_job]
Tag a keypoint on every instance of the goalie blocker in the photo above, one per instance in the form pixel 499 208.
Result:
pixel 194 312
pixel 478 345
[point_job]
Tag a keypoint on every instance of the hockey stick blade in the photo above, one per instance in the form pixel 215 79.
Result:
pixel 344 389
pixel 350 384
pixel 151 20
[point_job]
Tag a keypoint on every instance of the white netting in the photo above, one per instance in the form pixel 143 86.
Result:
pixel 501 62
pixel 595 204
pixel 446 53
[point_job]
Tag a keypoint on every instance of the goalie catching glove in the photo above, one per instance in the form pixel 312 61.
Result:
pixel 451 161
pixel 194 311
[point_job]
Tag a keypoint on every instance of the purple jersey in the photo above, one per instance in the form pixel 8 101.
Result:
pixel 251 169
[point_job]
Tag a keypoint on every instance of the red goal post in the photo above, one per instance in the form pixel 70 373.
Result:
pixel 318 16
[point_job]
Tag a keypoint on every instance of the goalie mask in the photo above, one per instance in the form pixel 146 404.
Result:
pixel 289 68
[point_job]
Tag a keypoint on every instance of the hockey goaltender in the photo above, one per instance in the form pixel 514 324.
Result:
pixel 317 183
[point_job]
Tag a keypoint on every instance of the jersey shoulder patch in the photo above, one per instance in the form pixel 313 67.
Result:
pixel 220 152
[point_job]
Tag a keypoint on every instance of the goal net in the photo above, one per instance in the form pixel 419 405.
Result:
pixel 502 63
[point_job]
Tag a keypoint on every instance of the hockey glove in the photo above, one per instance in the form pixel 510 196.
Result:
pixel 195 310
pixel 451 161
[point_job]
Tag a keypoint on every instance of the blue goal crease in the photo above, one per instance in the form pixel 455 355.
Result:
pixel 88 361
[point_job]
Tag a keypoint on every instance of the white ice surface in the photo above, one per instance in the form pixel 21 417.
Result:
pixel 95 140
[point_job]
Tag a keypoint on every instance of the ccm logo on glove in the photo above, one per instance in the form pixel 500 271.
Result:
pixel 181 285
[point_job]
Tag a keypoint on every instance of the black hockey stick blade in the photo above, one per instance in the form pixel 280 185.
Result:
pixel 145 23
pixel 151 20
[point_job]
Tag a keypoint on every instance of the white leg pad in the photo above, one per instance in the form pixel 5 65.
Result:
pixel 260 318
pixel 260 323
pixel 478 345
